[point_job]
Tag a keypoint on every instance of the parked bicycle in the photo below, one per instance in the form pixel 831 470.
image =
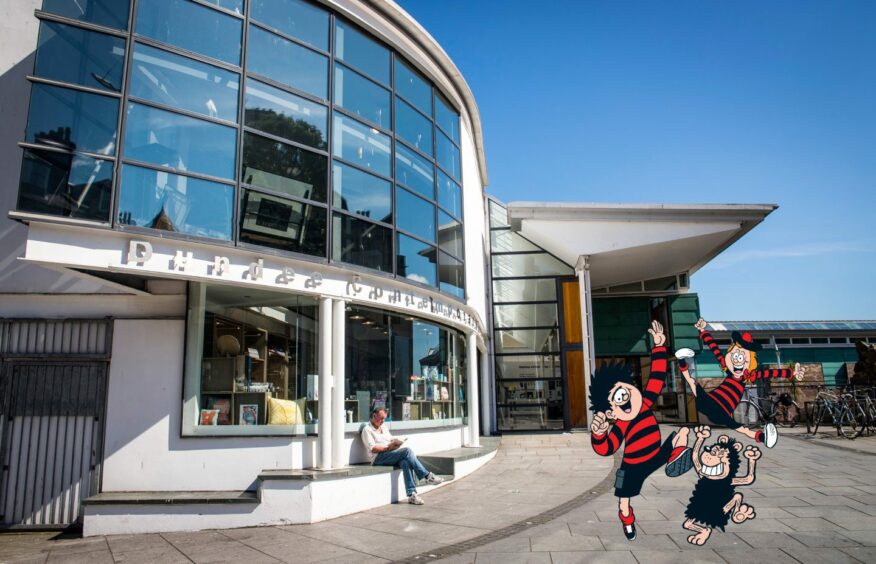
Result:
pixel 779 408
pixel 864 398
pixel 841 411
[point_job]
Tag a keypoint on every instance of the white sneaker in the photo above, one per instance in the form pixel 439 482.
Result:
pixel 416 500
pixel 770 435
pixel 434 480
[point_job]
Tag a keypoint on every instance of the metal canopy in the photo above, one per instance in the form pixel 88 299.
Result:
pixel 631 242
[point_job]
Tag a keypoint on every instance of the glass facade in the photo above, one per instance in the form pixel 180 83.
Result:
pixel 264 123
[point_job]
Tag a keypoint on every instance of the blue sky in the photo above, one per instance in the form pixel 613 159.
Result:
pixel 695 102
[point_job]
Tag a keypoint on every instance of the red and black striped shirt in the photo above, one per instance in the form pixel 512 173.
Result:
pixel 729 393
pixel 642 435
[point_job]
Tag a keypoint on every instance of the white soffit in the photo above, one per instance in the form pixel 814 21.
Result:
pixel 631 242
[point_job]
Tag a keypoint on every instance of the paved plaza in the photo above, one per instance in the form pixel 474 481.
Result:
pixel 547 498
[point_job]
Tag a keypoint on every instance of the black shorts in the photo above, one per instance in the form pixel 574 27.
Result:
pixel 629 478
pixel 713 410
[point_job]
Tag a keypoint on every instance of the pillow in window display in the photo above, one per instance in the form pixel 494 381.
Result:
pixel 285 412
pixel 209 417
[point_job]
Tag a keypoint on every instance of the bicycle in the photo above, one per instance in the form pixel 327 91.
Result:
pixel 865 400
pixel 781 409
pixel 840 412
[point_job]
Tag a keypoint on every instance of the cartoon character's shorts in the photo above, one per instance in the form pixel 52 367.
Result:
pixel 713 410
pixel 629 478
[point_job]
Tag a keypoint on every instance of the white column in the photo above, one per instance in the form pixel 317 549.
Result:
pixel 324 440
pixel 339 418
pixel 582 268
pixel 471 365
pixel 485 393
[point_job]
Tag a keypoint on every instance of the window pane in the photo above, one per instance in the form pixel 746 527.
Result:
pixel 361 242
pixel 526 315
pixel 361 145
pixel 527 340
pixel 416 260
pixel 447 156
pixel 286 62
pixel 449 235
pixel 414 214
pixel 362 193
pixel 409 84
pixel 413 127
pixel 368 361
pixel 76 121
pixel 361 52
pixel 169 202
pixel 184 83
pixel 282 224
pixel 192 27
pixel 508 241
pixel 414 171
pixel 300 20
pixel 66 185
pixel 72 54
pixel 536 264
pixel 181 142
pixel 530 290
pixel 111 13
pixel 449 195
pixel 361 96
pixel 283 168
pixel 235 6
pixel 447 118
pixel 498 215
pixel 528 366
pixel 451 275
pixel 285 115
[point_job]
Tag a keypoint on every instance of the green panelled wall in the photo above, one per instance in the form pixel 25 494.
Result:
pixel 832 360
pixel 684 311
pixel 620 325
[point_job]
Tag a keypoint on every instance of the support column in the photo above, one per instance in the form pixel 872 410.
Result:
pixel 339 417
pixel 582 268
pixel 485 393
pixel 471 365
pixel 324 439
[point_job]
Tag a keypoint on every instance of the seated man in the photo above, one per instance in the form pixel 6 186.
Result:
pixel 385 451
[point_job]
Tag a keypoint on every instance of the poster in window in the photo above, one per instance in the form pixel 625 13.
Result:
pixel 249 414
pixel 209 416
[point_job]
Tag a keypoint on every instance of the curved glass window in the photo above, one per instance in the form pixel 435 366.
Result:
pixel 447 118
pixel 414 89
pixel 287 62
pixel 282 224
pixel 416 260
pixel 295 18
pixel 362 243
pixel 283 168
pixel 181 142
pixel 66 185
pixel 235 6
pixel 72 54
pixel 192 27
pixel 448 156
pixel 361 52
pixel 413 127
pixel 451 275
pixel 449 195
pixel 72 120
pixel 170 202
pixel 449 234
pixel 414 171
pixel 110 13
pixel 361 96
pixel 414 214
pixel 285 115
pixel 361 145
pixel 184 83
pixel 361 193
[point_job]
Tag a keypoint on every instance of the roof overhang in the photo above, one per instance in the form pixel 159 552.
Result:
pixel 631 242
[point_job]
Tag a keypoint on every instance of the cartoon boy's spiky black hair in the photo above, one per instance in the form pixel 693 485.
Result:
pixel 603 380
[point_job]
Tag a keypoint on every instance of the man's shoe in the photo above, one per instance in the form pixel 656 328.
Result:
pixel 630 531
pixel 680 462
pixel 414 499
pixel 770 435
pixel 433 480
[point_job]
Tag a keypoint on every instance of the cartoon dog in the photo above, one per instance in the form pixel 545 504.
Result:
pixel 715 500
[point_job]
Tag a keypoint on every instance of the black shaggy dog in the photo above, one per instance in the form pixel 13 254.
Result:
pixel 714 501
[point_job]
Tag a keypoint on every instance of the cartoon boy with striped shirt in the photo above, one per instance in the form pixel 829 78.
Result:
pixel 740 366
pixel 614 399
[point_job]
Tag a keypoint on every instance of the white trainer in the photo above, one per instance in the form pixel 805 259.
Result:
pixel 414 499
pixel 434 480
pixel 770 435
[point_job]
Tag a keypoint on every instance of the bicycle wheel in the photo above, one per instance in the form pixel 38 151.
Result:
pixel 787 415
pixel 847 424
pixel 747 414
pixel 871 417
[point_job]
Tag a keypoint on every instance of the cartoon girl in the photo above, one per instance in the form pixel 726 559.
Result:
pixel 740 366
